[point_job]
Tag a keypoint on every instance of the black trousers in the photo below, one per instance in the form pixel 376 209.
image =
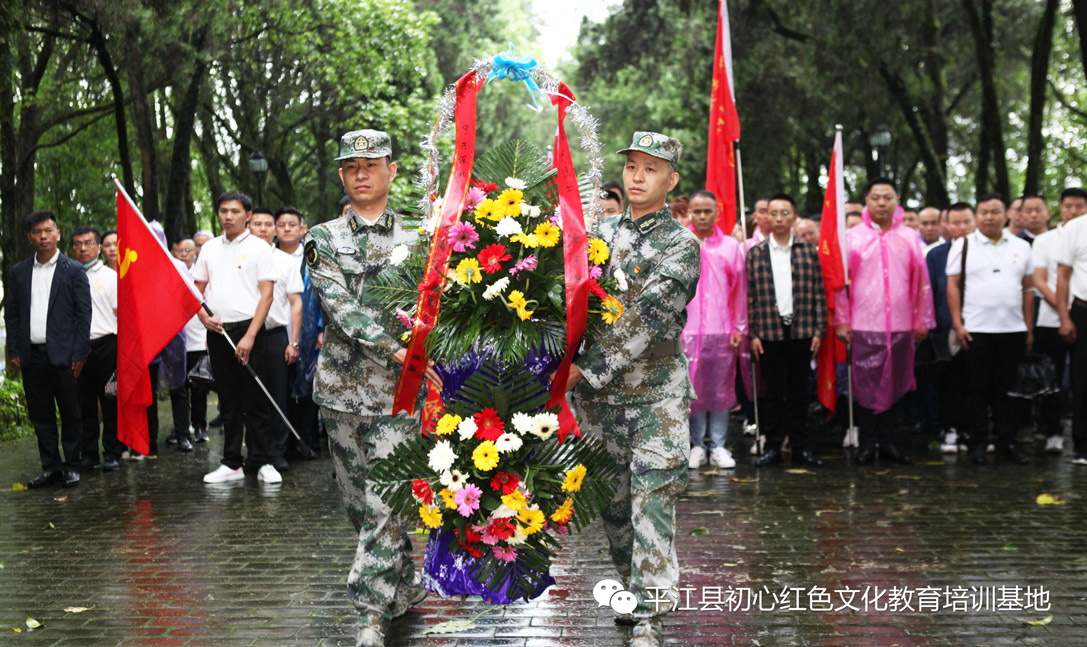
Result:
pixel 953 385
pixel 100 367
pixel 47 389
pixel 302 413
pixel 244 408
pixel 1051 408
pixel 786 367
pixel 992 361
pixel 1079 384
pixel 881 428
pixel 277 385
pixel 153 410
pixel 198 393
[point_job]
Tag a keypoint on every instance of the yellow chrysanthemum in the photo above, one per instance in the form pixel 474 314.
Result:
pixel 574 478
pixel 612 310
pixel 431 516
pixel 565 511
pixel 485 456
pixel 468 271
pixel 528 240
pixel 509 201
pixel 515 500
pixel 531 521
pixel 517 300
pixel 598 252
pixel 447 499
pixel 447 425
pixel 488 210
pixel 547 234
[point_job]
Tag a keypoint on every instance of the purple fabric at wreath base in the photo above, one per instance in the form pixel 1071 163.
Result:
pixel 452 573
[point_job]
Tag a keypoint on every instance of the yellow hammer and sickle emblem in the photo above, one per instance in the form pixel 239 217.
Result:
pixel 130 258
pixel 826 248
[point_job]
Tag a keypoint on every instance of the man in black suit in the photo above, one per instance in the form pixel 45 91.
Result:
pixel 48 318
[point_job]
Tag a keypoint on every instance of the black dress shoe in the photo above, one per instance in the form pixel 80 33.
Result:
pixel 806 457
pixel 88 464
pixel 769 457
pixel 977 454
pixel 71 478
pixel 172 439
pixel 866 455
pixel 1014 455
pixel 280 464
pixel 45 478
pixel 217 421
pixel 890 452
pixel 201 435
pixel 110 465
pixel 184 444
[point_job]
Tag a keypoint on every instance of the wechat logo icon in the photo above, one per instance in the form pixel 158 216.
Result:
pixel 610 593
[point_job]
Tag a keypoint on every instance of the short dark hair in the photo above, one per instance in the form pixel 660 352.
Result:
pixel 766 197
pixel 985 197
pixel 290 211
pixel 879 180
pixel 783 196
pixel 344 201
pixel 39 217
pixel 109 232
pixel 264 209
pixel 83 230
pixel 1032 196
pixel 704 193
pixel 608 194
pixel 614 187
pixel 234 195
pixel 181 239
pixel 961 206
pixel 1073 192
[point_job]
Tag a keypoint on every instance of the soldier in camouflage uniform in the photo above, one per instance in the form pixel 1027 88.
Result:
pixel 355 378
pixel 634 382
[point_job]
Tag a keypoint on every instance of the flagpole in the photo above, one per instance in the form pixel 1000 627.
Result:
pixel 743 234
pixel 852 432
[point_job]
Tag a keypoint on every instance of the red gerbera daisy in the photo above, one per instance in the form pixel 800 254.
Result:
pixel 596 290
pixel 486 187
pixel 505 483
pixel 420 489
pixel 501 528
pixel 491 257
pixel 488 425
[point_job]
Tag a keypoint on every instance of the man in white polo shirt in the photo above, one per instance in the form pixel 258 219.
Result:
pixel 235 274
pixel 1072 286
pixel 102 363
pixel 992 308
pixel 284 324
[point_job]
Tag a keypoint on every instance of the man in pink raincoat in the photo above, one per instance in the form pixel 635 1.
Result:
pixel 716 324
pixel 882 313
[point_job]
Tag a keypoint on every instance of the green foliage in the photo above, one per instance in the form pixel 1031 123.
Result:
pixel 514 158
pixel 14 422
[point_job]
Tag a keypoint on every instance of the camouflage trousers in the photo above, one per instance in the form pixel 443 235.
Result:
pixel 650 442
pixel 383 568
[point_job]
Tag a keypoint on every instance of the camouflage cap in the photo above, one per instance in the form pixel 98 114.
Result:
pixel 370 144
pixel 655 144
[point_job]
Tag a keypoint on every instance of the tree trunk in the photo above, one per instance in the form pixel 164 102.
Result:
pixel 981 26
pixel 181 156
pixel 1079 7
pixel 935 111
pixel 813 200
pixel 98 42
pixel 143 121
pixel 1039 71
pixel 935 181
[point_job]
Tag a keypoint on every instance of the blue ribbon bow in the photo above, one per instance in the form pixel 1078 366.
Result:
pixel 508 65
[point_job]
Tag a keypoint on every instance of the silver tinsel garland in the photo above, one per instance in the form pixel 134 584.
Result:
pixel 585 123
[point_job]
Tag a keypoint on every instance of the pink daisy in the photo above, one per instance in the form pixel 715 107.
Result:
pixel 475 196
pixel 527 264
pixel 404 318
pixel 463 235
pixel 489 538
pixel 595 272
pixel 504 553
pixel 467 499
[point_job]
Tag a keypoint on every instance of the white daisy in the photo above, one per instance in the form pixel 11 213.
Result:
pixel 503 512
pixel 507 227
pixel 530 211
pixel 453 479
pixel 514 183
pixel 544 425
pixel 497 288
pixel 621 278
pixel 467 429
pixel 517 539
pixel 507 443
pixel 441 457
pixel 522 422
pixel 399 255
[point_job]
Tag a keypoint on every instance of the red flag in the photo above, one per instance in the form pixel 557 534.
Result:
pixel 153 303
pixel 724 128
pixel 835 276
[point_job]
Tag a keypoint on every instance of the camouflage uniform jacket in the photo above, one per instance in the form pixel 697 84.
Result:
pixel 662 263
pixel 353 371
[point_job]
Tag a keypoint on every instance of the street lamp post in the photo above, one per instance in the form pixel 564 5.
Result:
pixel 880 140
pixel 258 164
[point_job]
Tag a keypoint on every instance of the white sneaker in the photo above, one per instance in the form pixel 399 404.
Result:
pixel 750 429
pixel 1079 460
pixel 268 474
pixel 722 458
pixel 222 474
pixel 951 443
pixel 698 458
pixel 1054 445
pixel 991 449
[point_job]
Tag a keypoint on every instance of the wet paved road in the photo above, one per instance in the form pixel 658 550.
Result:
pixel 163 559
